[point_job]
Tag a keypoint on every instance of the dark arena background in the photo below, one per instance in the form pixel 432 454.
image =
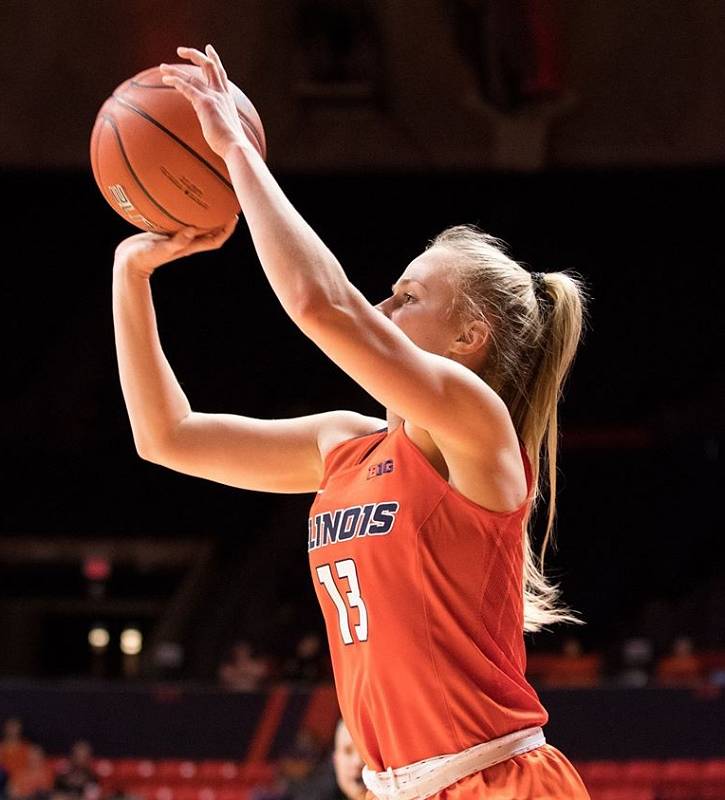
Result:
pixel 171 623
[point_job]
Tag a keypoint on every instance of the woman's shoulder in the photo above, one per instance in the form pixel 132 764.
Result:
pixel 341 426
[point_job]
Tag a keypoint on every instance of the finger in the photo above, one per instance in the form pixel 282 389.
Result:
pixel 190 92
pixel 150 237
pixel 214 56
pixel 182 238
pixel 217 237
pixel 232 224
pixel 213 239
pixel 171 69
pixel 228 229
pixel 207 65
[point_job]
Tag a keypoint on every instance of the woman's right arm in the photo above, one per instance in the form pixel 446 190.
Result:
pixel 267 455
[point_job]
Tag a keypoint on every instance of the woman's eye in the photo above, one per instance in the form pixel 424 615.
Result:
pixel 408 298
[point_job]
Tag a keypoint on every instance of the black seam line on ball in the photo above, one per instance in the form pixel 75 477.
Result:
pixel 242 118
pixel 186 147
pixel 112 122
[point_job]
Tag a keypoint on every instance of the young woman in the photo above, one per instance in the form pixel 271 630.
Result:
pixel 417 537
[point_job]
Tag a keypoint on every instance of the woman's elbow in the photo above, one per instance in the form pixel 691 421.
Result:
pixel 157 444
pixel 146 453
pixel 151 451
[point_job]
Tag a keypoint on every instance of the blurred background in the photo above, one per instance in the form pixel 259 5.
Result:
pixel 170 622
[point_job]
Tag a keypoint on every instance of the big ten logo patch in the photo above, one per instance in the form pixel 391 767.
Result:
pixel 383 468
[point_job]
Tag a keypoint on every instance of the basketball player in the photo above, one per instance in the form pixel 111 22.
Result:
pixel 417 536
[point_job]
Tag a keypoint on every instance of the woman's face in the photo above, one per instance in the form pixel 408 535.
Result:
pixel 348 763
pixel 423 300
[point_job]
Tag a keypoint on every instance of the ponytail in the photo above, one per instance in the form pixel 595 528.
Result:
pixel 560 301
pixel 535 322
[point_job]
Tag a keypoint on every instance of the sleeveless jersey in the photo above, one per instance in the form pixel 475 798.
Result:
pixel 421 591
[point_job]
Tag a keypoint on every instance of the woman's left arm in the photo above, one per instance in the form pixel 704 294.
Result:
pixel 431 391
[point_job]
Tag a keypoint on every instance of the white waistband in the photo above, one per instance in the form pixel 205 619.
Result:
pixel 424 778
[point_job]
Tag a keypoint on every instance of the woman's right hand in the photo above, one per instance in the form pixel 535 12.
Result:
pixel 145 252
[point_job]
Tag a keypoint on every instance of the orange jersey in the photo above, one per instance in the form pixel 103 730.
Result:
pixel 421 591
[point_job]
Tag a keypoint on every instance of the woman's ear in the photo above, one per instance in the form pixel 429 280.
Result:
pixel 472 338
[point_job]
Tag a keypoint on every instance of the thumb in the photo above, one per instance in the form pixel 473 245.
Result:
pixel 183 237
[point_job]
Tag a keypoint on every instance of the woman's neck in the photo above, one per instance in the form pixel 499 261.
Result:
pixel 393 419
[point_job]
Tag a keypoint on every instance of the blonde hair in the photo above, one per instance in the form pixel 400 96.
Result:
pixel 534 325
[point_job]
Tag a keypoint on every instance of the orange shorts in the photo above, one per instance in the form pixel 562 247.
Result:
pixel 541 774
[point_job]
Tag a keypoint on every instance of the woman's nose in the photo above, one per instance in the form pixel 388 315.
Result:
pixel 384 307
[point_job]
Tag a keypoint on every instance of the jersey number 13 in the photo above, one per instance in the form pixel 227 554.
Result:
pixel 346 571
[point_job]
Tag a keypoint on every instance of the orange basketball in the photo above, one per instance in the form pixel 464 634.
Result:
pixel 152 163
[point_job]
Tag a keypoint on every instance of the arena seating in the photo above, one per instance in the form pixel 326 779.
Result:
pixel 180 779
pixel 674 779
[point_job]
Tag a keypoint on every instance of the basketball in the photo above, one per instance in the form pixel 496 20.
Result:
pixel 152 163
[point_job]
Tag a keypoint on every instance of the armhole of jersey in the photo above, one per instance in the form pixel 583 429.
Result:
pixel 528 472
pixel 521 509
pixel 327 463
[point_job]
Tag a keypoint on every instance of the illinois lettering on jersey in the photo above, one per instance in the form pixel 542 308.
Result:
pixel 331 527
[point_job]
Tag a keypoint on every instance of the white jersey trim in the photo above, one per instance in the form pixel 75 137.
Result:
pixel 425 778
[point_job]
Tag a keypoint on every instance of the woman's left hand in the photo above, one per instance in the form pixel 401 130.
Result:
pixel 144 253
pixel 211 98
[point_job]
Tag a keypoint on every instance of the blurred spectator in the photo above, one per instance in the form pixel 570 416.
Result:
pixel 713 664
pixel 34 781
pixel 340 40
pixel 245 671
pixel 682 667
pixel 297 766
pixel 78 780
pixel 348 764
pixel 310 661
pixel 572 668
pixel 338 777
pixel 14 749
pixel 512 48
pixel 636 660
